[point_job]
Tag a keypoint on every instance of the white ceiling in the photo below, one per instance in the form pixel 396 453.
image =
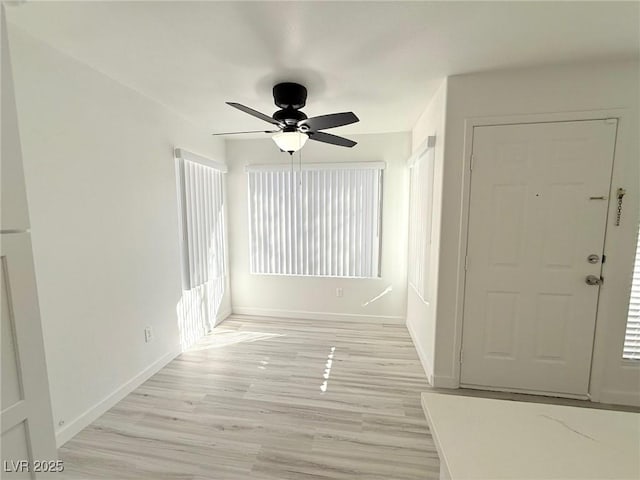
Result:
pixel 381 60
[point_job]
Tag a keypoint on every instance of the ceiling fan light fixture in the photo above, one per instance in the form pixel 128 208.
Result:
pixel 290 141
pixel 296 128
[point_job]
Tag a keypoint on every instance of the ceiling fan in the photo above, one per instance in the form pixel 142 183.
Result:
pixel 294 127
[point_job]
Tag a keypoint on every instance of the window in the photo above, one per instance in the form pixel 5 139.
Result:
pixel 420 220
pixel 319 219
pixel 201 193
pixel 631 349
pixel 202 216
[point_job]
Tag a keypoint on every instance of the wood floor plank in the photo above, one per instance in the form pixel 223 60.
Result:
pixel 267 398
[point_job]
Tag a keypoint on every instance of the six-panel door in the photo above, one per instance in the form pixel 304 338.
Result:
pixel 538 209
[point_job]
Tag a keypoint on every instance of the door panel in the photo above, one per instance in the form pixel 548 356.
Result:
pixel 14 214
pixel 551 326
pixel 506 234
pixel 502 315
pixel 529 316
pixel 16 449
pixel 11 389
pixel 27 426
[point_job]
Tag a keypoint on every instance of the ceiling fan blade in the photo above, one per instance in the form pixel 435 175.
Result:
pixel 249 131
pixel 253 113
pixel 329 121
pixel 332 139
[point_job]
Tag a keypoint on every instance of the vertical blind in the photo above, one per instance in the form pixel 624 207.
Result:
pixel 420 221
pixel 321 220
pixel 203 223
pixel 632 337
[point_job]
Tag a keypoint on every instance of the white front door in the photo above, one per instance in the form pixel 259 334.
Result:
pixel 538 210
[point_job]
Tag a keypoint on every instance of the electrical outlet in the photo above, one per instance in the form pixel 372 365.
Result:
pixel 148 335
pixel 339 292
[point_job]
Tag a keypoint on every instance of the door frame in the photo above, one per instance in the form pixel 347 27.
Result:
pixel 608 310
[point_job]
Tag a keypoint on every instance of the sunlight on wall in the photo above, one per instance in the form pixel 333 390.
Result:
pixel 387 290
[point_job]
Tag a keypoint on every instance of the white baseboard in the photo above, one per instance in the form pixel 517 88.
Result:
pixel 75 426
pixel 618 397
pixel 305 315
pixel 426 364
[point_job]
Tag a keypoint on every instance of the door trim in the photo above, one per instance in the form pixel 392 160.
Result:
pixel 598 359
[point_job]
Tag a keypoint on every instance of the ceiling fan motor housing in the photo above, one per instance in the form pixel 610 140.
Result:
pixel 290 95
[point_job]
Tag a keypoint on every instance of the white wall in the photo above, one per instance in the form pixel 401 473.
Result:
pixel 315 297
pixel 421 319
pixel 101 186
pixel 545 91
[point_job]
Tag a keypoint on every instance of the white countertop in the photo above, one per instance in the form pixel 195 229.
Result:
pixel 480 438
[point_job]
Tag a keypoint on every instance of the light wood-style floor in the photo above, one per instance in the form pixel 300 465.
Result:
pixel 266 398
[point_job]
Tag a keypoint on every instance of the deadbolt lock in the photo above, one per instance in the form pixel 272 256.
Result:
pixel 593 258
pixel 593 280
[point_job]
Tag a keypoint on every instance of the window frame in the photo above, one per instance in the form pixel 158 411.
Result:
pixel 421 240
pixel 322 166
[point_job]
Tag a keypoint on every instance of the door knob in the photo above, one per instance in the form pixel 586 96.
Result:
pixel 593 280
